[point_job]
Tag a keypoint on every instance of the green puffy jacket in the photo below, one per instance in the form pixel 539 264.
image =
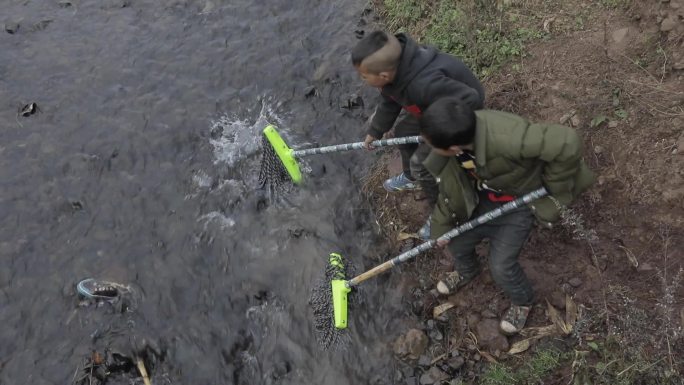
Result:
pixel 514 157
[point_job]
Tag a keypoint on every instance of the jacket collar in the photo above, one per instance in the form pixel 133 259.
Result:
pixel 435 163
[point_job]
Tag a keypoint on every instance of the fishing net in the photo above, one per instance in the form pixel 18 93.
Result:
pixel 327 335
pixel 273 177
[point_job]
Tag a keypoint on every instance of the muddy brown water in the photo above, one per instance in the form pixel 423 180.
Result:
pixel 140 167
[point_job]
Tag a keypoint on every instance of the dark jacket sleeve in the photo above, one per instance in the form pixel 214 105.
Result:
pixel 437 86
pixel 385 115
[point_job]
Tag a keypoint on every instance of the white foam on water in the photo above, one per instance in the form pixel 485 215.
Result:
pixel 240 139
pixel 215 216
pixel 201 179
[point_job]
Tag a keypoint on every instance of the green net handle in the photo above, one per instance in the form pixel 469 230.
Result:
pixel 358 145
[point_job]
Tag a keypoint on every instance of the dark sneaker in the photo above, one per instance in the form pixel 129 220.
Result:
pixel 424 232
pixel 514 319
pixel 400 183
pixel 451 283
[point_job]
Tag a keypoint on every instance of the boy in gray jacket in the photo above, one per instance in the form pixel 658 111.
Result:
pixel 410 77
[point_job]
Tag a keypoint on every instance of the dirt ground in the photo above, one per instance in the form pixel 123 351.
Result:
pixel 612 271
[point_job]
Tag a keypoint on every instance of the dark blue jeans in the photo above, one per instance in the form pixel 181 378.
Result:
pixel 507 235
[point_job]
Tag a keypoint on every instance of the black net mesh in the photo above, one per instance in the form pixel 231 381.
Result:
pixel 327 335
pixel 273 177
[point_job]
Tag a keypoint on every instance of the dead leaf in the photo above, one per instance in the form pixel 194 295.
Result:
pixel 520 346
pixel 442 308
pixel 570 312
pixel 555 317
pixel 404 236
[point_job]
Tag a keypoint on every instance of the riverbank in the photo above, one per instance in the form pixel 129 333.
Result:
pixel 608 280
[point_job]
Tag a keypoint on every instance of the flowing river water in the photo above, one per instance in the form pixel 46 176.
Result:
pixel 139 166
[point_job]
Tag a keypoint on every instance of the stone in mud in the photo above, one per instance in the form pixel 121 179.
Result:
pixel 433 376
pixel 456 363
pixel 668 24
pixel 473 319
pixel 575 282
pixel 411 381
pixel 424 360
pixel 436 335
pixel 488 314
pixel 411 345
pixel 407 371
pixel 65 3
pixel 489 336
pixel 11 27
pixel 430 324
pixel 620 35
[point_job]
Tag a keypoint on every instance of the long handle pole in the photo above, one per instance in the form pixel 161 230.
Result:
pixel 484 218
pixel 357 146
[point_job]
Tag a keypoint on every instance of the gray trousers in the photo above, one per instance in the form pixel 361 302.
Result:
pixel 413 155
pixel 507 235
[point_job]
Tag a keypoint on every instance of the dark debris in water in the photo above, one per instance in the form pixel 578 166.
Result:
pixel 113 366
pixel 300 232
pixel 353 102
pixel 310 91
pixel 41 25
pixel 29 110
pixel 11 27
pixel 76 205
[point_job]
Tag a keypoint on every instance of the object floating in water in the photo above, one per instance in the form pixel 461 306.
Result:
pixel 103 290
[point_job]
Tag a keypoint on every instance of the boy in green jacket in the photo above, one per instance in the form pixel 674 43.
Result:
pixel 482 159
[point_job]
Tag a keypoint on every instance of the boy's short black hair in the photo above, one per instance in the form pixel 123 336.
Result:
pixel 448 122
pixel 369 45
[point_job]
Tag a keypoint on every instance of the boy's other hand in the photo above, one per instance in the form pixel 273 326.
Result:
pixel 367 142
pixel 442 243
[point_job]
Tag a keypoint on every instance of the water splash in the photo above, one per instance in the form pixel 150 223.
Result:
pixel 235 140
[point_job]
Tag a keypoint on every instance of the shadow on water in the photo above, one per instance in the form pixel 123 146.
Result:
pixel 140 168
